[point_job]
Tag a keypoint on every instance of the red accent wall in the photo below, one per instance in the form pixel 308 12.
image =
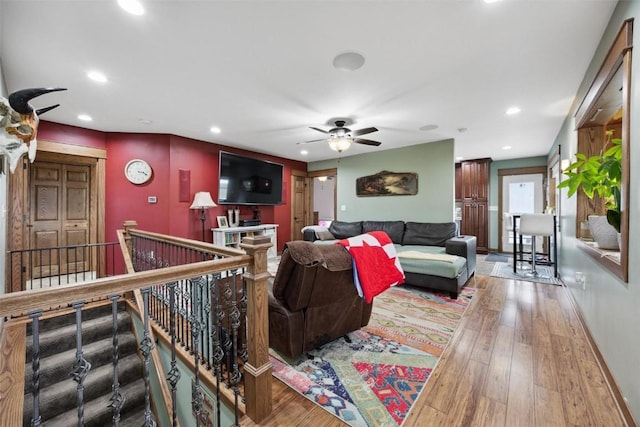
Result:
pixel 71 135
pixel 167 155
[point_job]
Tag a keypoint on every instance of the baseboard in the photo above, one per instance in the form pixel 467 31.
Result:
pixel 625 412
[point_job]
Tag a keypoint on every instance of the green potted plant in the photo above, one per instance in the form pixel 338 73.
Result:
pixel 599 175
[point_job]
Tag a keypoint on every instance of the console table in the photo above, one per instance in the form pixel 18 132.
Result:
pixel 231 237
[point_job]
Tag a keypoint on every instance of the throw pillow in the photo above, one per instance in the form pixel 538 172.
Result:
pixel 324 235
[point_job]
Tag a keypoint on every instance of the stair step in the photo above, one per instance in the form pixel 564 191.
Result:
pixel 97 413
pixel 62 396
pixel 70 318
pixel 64 337
pixel 58 367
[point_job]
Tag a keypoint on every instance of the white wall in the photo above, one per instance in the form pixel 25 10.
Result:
pixel 323 198
pixel 434 164
pixel 611 308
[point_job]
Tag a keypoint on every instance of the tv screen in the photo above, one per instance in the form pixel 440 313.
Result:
pixel 248 181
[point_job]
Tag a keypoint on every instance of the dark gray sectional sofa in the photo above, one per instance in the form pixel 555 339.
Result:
pixel 435 270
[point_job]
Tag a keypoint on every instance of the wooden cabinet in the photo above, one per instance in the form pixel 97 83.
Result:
pixel 475 180
pixel 232 236
pixel 474 188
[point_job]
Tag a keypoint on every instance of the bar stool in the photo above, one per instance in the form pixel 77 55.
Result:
pixel 536 225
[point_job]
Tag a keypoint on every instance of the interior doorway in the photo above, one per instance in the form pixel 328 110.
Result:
pixel 520 191
pixel 323 196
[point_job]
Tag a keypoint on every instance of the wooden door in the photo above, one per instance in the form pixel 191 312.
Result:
pixel 468 223
pixel 59 216
pixel 482 222
pixel 299 205
pixel 481 180
pixel 458 181
pixel 468 184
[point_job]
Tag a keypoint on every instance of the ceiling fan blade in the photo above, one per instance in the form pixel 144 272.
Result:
pixel 313 140
pixel 366 142
pixel 363 131
pixel 318 129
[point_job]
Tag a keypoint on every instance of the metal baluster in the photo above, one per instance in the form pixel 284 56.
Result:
pixel 145 348
pixel 218 354
pixel 235 323
pixel 173 375
pixel 81 367
pixel 196 326
pixel 117 399
pixel 227 323
pixel 35 364
pixel 146 345
pixel 57 252
pixel 207 321
pixel 244 356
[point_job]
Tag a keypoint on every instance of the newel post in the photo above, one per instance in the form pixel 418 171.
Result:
pixel 257 370
pixel 128 226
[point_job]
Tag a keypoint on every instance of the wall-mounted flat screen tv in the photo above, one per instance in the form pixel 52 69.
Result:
pixel 249 181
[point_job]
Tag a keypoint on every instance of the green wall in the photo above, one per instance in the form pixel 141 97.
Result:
pixel 610 307
pixel 493 190
pixel 434 164
pixel 4 202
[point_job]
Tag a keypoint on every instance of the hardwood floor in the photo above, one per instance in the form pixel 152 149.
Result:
pixel 519 358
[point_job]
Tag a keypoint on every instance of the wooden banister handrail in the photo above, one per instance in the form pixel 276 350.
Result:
pixel 187 243
pixel 17 303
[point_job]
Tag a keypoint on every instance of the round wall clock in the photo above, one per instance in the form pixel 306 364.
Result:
pixel 138 171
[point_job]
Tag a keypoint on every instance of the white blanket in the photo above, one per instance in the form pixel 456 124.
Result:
pixel 426 255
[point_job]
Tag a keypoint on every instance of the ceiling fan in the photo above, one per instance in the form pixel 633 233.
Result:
pixel 340 137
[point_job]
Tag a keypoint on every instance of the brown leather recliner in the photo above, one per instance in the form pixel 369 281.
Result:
pixel 312 299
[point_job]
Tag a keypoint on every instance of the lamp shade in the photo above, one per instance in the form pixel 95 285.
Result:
pixel 202 200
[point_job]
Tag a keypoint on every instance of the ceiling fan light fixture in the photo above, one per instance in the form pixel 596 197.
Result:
pixel 340 143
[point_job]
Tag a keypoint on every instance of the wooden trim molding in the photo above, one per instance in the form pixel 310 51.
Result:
pixel 618 59
pixel 17 234
pixel 531 170
pixel 74 150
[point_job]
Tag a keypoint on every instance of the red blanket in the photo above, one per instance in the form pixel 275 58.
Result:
pixel 375 264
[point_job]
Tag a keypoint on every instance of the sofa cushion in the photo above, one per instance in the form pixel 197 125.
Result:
pixel 426 266
pixel 395 229
pixel 428 233
pixel 344 230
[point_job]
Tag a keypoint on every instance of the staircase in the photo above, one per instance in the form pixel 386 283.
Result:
pixel 58 390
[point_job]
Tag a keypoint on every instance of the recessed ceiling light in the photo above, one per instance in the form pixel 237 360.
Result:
pixel 304 152
pixel 459 158
pixel 348 61
pixel 506 147
pixel 512 110
pixel 428 127
pixel 84 117
pixel 145 121
pixel 492 1
pixel 134 7
pixel 215 129
pixel 97 76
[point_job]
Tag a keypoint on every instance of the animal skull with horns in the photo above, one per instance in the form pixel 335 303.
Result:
pixel 19 124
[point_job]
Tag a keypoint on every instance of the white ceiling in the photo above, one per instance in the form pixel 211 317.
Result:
pixel 262 70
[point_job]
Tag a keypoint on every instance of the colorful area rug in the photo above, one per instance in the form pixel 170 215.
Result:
pixel 372 377
pixel 505 271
